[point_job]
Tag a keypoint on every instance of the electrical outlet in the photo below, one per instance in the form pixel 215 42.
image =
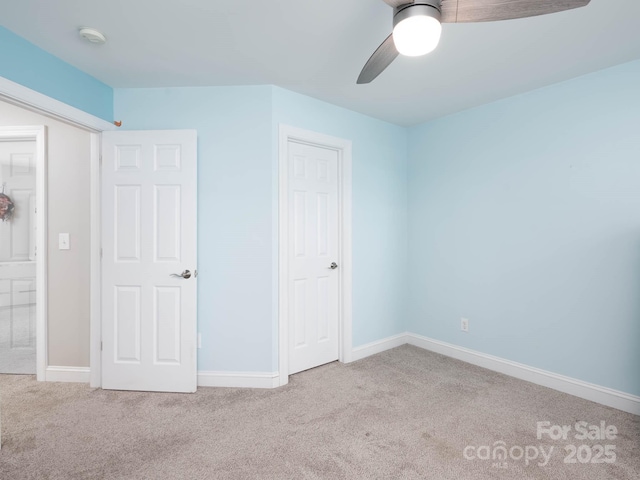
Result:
pixel 464 325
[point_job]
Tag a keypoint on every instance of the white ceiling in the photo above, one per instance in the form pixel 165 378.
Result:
pixel 317 47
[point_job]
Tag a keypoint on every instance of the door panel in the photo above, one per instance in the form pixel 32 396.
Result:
pixel 127 325
pixel 167 224
pixel 149 237
pixel 314 236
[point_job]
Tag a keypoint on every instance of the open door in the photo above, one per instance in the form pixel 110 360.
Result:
pixel 149 260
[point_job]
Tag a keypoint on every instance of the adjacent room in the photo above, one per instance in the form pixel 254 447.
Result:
pixel 280 240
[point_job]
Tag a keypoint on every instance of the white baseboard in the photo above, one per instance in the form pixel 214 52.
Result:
pixel 205 379
pixel 378 346
pixel 595 393
pixel 67 374
pixel 239 379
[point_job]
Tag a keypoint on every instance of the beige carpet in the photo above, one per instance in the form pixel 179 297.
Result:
pixel 402 414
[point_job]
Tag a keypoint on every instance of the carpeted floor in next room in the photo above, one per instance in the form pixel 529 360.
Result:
pixel 402 414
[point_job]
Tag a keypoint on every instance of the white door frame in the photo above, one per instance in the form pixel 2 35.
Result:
pixel 95 306
pixel 343 148
pixel 25 97
pixel 39 135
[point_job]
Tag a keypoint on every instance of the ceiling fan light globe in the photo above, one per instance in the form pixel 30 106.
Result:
pixel 417 35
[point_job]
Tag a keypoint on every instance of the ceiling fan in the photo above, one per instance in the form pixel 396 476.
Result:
pixel 417 25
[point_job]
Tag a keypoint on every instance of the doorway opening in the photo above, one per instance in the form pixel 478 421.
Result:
pixel 23 251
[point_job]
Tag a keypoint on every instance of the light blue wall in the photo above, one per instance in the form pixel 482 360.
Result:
pixel 379 208
pixel 238 212
pixel 525 218
pixel 24 63
pixel 234 212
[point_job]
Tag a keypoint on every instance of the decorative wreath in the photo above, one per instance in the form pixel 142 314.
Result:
pixel 6 207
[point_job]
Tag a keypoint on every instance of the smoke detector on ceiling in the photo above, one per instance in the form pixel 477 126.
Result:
pixel 92 35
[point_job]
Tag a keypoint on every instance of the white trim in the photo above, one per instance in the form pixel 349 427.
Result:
pixel 42 255
pixel 68 374
pixel 346 234
pixel 378 346
pixel 39 134
pixel 239 379
pixel 26 97
pixel 95 318
pixel 595 393
pixel 343 147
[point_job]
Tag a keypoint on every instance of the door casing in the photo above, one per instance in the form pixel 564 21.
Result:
pixel 343 148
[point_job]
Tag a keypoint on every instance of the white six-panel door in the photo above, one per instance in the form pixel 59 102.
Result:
pixel 314 313
pixel 17 259
pixel 149 209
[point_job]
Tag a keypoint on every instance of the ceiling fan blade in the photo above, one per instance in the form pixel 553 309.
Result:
pixel 459 11
pixel 381 59
pixel 397 3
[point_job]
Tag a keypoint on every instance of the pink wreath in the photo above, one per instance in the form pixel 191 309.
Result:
pixel 6 208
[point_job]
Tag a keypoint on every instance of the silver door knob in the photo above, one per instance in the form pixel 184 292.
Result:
pixel 333 265
pixel 185 274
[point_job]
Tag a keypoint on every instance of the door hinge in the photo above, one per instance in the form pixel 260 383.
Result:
pixel 100 252
pixel 100 160
pixel 100 346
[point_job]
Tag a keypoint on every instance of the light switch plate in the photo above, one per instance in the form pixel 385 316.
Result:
pixel 63 241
